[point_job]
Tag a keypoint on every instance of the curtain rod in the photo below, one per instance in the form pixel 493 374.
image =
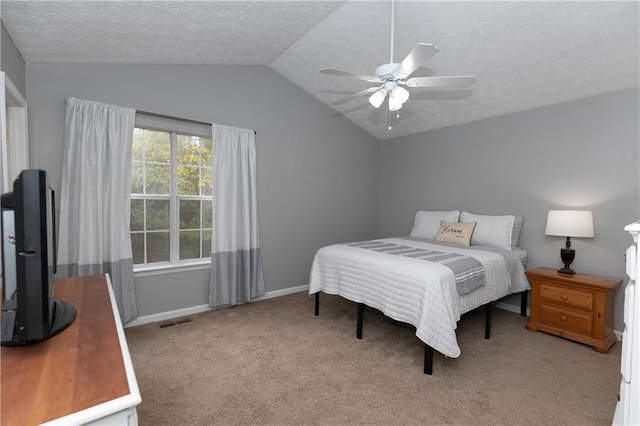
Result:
pixel 170 117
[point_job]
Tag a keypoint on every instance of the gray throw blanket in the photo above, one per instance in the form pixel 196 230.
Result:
pixel 468 272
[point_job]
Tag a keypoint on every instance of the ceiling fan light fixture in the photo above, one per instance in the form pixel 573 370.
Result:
pixel 394 104
pixel 400 94
pixel 393 74
pixel 377 98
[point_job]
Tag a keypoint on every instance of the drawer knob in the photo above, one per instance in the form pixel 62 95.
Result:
pixel 563 318
pixel 564 297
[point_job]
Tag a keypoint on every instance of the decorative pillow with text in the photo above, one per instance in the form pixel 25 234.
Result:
pixel 455 232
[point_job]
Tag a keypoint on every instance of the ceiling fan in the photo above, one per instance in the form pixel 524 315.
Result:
pixel 392 76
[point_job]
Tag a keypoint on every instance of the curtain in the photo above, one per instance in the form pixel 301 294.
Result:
pixel 236 259
pixel 94 203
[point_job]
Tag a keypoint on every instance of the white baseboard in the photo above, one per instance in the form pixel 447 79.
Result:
pixel 192 310
pixel 509 307
pixel 283 292
pixel 165 316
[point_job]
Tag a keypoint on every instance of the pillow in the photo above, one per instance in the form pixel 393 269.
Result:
pixel 455 232
pixel 427 224
pixel 494 231
pixel 517 228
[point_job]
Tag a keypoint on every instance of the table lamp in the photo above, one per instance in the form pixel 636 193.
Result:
pixel 569 223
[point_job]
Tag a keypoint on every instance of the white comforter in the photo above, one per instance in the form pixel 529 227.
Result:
pixel 411 290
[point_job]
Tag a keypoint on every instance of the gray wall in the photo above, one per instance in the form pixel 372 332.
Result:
pixel 11 61
pixel 317 172
pixel 577 155
pixel 322 180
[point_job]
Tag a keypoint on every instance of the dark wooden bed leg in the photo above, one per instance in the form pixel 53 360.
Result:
pixel 317 312
pixel 360 315
pixel 428 359
pixel 523 303
pixel 487 322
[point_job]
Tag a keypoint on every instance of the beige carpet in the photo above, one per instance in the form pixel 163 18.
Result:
pixel 274 362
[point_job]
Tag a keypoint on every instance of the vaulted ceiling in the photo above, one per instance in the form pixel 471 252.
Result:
pixel 524 54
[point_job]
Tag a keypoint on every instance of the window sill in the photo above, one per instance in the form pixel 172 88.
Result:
pixel 170 268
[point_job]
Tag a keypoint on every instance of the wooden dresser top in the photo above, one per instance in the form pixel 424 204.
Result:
pixel 72 371
pixel 594 281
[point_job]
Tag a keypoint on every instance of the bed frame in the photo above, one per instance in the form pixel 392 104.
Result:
pixel 428 350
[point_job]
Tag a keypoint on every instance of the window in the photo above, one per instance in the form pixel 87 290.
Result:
pixel 171 187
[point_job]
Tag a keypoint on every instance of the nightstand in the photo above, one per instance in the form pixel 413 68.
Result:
pixel 577 307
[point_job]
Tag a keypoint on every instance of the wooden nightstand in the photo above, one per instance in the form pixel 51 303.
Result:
pixel 577 307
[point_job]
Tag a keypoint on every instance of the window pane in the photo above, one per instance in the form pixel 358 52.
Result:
pixel 189 150
pixel 206 183
pixel 137 173
pixel 137 215
pixel 206 214
pixel 138 145
pixel 137 246
pixel 194 169
pixel 157 179
pixel 157 146
pixel 189 245
pixel 157 214
pixel 189 214
pixel 206 152
pixel 188 180
pixel 206 243
pixel 157 247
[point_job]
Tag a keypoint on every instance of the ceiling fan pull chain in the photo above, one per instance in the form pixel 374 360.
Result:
pixel 390 118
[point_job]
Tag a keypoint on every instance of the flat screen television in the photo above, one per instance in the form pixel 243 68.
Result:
pixel 30 313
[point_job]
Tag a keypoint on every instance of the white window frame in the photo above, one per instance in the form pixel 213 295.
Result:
pixel 173 127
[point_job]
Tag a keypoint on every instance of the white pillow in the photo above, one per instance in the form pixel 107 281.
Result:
pixel 492 231
pixel 515 234
pixel 427 224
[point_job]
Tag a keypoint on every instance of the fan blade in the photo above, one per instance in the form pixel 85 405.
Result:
pixel 454 82
pixel 418 56
pixel 340 73
pixel 356 95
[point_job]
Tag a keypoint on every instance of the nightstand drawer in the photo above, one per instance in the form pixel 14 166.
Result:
pixel 567 297
pixel 577 322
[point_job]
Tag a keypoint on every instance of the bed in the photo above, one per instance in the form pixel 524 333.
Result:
pixel 426 282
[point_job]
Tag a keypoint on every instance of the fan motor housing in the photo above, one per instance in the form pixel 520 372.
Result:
pixel 385 72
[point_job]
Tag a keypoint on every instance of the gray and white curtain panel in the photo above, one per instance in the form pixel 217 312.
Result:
pixel 94 203
pixel 236 259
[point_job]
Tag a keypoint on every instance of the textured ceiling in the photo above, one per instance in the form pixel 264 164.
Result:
pixel 524 54
pixel 167 32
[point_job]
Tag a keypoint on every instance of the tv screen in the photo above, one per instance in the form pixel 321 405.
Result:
pixel 9 282
pixel 30 313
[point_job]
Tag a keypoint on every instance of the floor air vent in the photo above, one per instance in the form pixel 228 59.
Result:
pixel 176 322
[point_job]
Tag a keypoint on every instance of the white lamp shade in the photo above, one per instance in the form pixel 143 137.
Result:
pixel 570 223
pixel 377 98
pixel 400 94
pixel 394 105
